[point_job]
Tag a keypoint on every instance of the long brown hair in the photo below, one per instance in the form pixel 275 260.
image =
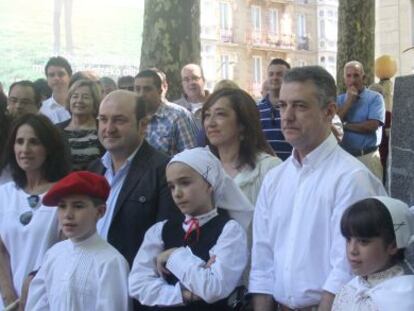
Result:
pixel 252 140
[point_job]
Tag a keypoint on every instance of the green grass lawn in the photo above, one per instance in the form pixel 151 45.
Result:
pixel 106 34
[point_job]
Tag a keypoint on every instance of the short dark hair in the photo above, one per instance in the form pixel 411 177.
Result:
pixel 279 61
pixel 57 163
pixel 148 73
pixel 59 61
pixel 252 141
pixel 27 83
pixel 108 81
pixel 369 218
pixel 125 79
pixel 43 88
pixel 324 82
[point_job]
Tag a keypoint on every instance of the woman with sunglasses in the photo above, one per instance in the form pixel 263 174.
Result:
pixel 37 157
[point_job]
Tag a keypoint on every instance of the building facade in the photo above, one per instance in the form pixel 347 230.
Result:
pixel 240 37
pixel 394 32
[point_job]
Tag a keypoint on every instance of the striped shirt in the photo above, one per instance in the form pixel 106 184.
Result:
pixel 270 120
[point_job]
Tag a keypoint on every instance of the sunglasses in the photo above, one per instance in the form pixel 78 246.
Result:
pixel 34 203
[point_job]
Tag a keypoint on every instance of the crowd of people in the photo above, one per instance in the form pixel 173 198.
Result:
pixel 114 198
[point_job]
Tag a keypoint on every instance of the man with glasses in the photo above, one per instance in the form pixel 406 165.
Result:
pixel 58 72
pixel 23 98
pixel 194 96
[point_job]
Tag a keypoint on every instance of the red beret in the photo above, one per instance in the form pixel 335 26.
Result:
pixel 81 182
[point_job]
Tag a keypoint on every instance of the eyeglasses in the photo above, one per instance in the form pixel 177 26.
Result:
pixel 34 203
pixel 128 88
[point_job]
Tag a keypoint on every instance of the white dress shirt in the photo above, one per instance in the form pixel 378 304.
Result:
pixel 389 290
pixel 298 250
pixel 211 284
pixel 88 275
pixel 54 111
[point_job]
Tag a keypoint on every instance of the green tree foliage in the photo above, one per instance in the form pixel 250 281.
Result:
pixel 171 38
pixel 356 37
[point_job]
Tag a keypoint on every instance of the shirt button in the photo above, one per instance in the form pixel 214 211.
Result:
pixel 142 199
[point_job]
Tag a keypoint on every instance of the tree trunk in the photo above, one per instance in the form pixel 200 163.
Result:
pixel 356 37
pixel 171 38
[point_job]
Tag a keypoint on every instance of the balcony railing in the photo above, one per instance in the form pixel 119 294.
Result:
pixel 266 39
pixel 303 43
pixel 226 35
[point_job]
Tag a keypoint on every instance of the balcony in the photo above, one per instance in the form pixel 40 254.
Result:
pixel 226 35
pixel 264 39
pixel 303 43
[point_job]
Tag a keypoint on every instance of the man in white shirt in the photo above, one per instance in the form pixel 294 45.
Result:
pixel 194 94
pixel 58 72
pixel 298 256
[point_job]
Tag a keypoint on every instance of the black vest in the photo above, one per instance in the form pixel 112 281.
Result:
pixel 173 236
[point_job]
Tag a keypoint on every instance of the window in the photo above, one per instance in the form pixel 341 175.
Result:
pixel 257 70
pixel 256 18
pixel 273 21
pixel 225 16
pixel 301 28
pixel 322 28
pixel 225 67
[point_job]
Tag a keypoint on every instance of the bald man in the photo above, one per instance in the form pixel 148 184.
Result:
pixel 194 96
pixel 139 194
pixel 362 112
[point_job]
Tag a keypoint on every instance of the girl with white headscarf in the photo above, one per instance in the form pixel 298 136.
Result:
pixel 198 263
pixel 378 231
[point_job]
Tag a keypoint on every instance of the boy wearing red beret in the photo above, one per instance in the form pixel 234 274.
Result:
pixel 83 272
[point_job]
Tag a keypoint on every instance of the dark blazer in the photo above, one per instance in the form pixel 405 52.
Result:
pixel 143 200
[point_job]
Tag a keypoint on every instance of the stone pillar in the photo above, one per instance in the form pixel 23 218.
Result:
pixel 401 173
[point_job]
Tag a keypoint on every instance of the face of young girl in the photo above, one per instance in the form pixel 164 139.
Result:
pixel 190 192
pixel 369 255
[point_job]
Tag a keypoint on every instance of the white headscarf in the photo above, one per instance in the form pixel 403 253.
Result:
pixel 227 195
pixel 402 219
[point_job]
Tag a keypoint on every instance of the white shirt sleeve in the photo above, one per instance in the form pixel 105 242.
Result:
pixel 145 284
pixel 37 299
pixel 262 276
pixel 222 277
pixel 112 286
pixel 361 186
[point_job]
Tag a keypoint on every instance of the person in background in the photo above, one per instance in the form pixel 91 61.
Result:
pixel 58 73
pixel 362 112
pixel 43 89
pixel 108 85
pixel 23 98
pixel 378 230
pixel 194 94
pixel 126 83
pixel 38 158
pixel 98 272
pixel 81 130
pixel 269 109
pixel 171 128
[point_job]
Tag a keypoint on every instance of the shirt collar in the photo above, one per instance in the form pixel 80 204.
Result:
pixel 202 219
pixel 85 243
pixel 161 111
pixel 317 155
pixel 107 159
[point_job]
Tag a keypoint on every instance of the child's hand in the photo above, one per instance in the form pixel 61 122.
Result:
pixel 188 296
pixel 210 261
pixel 162 261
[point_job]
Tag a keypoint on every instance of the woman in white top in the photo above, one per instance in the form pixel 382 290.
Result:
pixel 232 126
pixel 37 158
pixel 378 230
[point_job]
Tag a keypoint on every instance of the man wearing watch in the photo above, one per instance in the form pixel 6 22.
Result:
pixel 362 112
